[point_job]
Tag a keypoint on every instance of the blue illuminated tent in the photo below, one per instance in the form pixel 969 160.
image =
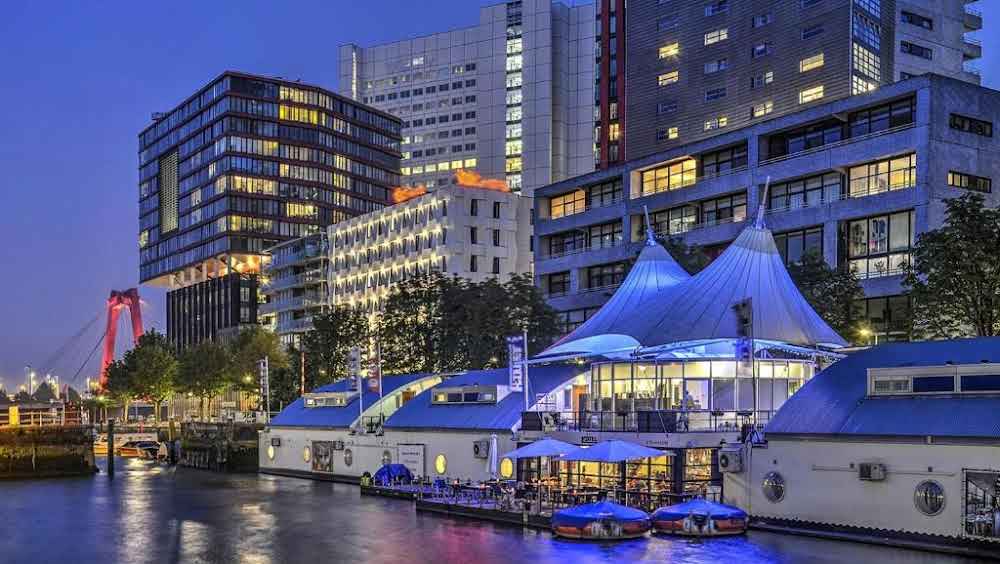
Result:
pixel 540 448
pixel 390 473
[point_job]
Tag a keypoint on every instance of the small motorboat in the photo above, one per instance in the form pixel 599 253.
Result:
pixel 602 520
pixel 700 518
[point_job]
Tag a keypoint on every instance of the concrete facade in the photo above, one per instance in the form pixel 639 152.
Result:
pixel 295 284
pixel 771 152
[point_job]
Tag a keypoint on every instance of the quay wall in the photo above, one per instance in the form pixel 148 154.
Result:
pixel 42 452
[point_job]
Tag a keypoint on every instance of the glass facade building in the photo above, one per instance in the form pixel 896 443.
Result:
pixel 248 162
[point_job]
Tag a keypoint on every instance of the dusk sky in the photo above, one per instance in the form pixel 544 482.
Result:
pixel 80 82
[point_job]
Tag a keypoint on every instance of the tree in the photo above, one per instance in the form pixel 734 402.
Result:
pixel 119 385
pixel 252 345
pixel 692 259
pixel 204 372
pixel 954 276
pixel 831 292
pixel 406 327
pixel 328 344
pixel 152 369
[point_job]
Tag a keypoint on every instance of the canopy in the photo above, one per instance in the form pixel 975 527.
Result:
pixel 698 507
pixel 540 448
pixel 493 462
pixel 614 451
pixel 583 515
pixel 389 473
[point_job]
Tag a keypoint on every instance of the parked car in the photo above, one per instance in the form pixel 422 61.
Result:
pixel 138 449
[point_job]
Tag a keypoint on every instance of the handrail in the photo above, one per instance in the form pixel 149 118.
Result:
pixel 836 144
pixel 843 195
pixel 585 249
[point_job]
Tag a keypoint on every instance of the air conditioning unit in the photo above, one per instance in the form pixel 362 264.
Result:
pixel 731 459
pixel 481 449
pixel 338 445
pixel 871 471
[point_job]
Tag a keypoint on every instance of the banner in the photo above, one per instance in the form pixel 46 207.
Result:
pixel 354 368
pixel 515 359
pixel 375 374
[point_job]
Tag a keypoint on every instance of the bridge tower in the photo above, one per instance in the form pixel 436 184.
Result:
pixel 116 302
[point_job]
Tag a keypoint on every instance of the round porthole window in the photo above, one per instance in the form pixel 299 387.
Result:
pixel 773 487
pixel 440 464
pixel 386 457
pixel 307 454
pixel 348 457
pixel 929 497
pixel 270 452
pixel 506 468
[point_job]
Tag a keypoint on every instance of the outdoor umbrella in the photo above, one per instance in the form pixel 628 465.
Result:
pixel 543 447
pixel 614 451
pixel 494 460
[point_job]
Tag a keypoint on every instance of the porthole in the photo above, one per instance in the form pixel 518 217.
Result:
pixel 773 487
pixel 348 457
pixel 307 454
pixel 270 452
pixel 506 468
pixel 440 464
pixel 386 457
pixel 929 498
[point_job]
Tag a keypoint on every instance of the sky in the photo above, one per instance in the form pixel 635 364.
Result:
pixel 81 80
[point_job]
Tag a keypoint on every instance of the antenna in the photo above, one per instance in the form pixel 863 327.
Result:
pixel 650 234
pixel 759 224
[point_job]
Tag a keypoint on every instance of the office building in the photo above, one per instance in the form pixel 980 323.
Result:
pixel 243 164
pixel 295 285
pixel 473 233
pixel 697 68
pixel 855 179
pixel 510 97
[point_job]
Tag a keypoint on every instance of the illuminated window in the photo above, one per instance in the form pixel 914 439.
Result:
pixel 810 63
pixel 567 204
pixel 614 132
pixel 761 79
pixel 671 50
pixel 306 454
pixel 270 452
pixel 716 36
pixel 668 78
pixel 669 177
pixel 506 468
pixel 440 464
pixel 867 63
pixel 470 163
pixel 513 164
pixel 860 85
pixel 762 109
pixel 811 94
pixel 716 123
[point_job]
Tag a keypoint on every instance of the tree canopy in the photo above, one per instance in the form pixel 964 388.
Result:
pixel 830 291
pixel 328 344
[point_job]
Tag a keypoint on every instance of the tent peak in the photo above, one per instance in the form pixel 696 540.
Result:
pixel 759 223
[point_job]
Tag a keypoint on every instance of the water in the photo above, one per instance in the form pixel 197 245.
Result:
pixel 156 514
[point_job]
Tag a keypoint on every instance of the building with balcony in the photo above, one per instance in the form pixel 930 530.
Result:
pixel 856 180
pixel 473 233
pixel 243 164
pixel 294 285
pixel 510 97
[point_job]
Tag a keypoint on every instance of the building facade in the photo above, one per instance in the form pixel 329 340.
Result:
pixel 243 164
pixel 697 68
pixel 474 233
pixel 855 180
pixel 510 98
pixel 295 286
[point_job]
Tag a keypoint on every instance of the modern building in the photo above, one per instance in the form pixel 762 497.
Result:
pixel 899 442
pixel 696 68
pixel 295 285
pixel 856 180
pixel 474 233
pixel 243 164
pixel 510 97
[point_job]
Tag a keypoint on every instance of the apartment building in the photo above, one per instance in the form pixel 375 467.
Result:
pixel 855 179
pixel 510 97
pixel 295 286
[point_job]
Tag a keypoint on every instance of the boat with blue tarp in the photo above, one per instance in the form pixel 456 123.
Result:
pixel 700 517
pixel 602 520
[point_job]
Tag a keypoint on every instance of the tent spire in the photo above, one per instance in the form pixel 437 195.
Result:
pixel 650 234
pixel 759 224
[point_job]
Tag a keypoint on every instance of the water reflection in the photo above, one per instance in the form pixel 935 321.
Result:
pixel 151 514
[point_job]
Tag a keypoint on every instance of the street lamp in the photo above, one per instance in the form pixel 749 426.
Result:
pixel 866 332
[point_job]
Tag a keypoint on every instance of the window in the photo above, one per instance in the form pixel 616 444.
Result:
pixel 916 50
pixel 762 109
pixel 473 263
pixel 570 320
pixel 929 495
pixel 667 133
pixel 880 245
pixel 496 210
pixel 496 265
pixel 763 19
pixel 669 177
pixel 473 235
pixel 567 242
pixel 886 318
pixel 673 221
pixel 720 162
pixel 716 123
pixel 917 20
pixel 667 22
pixel 874 7
pixel 670 50
pixel 867 31
pixel 773 487
pixel 811 94
pixel 883 176
pixel 716 36
pixel 605 193
pixel 605 275
pixel 715 94
pixel 473 207
pixel 496 238
pixel 761 79
pixel 567 204
pixel 726 209
pixel 860 85
pixel 440 464
pixel 867 62
pixel 760 50
pixel 805 192
pixel 793 245
pixel 969 182
pixel 558 283
pixel 666 107
pixel 812 31
pixel 804 139
pixel 668 78
pixel 971 125
pixel 810 63
pixel 717 7
pixel 605 235
pixel 716 66
pixel 881 118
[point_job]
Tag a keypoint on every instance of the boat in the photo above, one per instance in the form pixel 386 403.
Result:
pixel 602 520
pixel 701 518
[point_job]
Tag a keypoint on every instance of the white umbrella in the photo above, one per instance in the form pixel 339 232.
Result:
pixel 494 458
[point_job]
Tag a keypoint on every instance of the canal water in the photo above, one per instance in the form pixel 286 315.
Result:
pixel 154 514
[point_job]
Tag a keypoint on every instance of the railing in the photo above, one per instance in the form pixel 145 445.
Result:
pixel 585 249
pixel 666 234
pixel 292 303
pixel 974 41
pixel 284 282
pixel 291 258
pixel 840 196
pixel 652 421
pixel 603 288
pixel 973 11
pixel 300 324
pixel 836 144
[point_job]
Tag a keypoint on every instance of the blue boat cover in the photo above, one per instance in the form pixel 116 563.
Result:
pixel 701 507
pixel 387 474
pixel 614 451
pixel 582 515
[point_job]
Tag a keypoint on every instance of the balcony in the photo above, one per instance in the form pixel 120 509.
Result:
pixel 281 260
pixel 304 301
pixel 836 144
pixel 586 249
pixel 303 279
pixel 972 48
pixel 973 19
pixel 829 198
pixel 651 421
pixel 295 325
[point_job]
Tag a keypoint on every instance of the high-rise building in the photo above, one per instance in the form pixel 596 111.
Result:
pixel 243 164
pixel 697 68
pixel 295 285
pixel 510 98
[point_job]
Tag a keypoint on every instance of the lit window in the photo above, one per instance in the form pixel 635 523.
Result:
pixel 306 454
pixel 811 94
pixel 668 78
pixel 270 452
pixel 672 133
pixel 671 50
pixel 716 123
pixel 762 109
pixel 614 132
pixel 810 63
pixel 867 63
pixel 470 163
pixel 860 85
pixel 440 464
pixel 506 468
pixel 716 36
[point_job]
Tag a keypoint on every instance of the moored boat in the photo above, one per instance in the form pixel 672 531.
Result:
pixel 699 517
pixel 602 520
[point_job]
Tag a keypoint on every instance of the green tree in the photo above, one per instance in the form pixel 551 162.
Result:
pixel 328 344
pixel 954 277
pixel 830 291
pixel 248 348
pixel 407 327
pixel 152 369
pixel 204 372
pixel 692 259
pixel 119 385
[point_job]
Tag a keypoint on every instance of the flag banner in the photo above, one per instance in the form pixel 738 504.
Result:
pixel 515 357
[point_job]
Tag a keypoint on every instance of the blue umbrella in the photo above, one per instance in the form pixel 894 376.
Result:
pixel 614 451
pixel 540 448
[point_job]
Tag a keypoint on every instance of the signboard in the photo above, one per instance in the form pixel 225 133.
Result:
pixel 412 456
pixel 354 367
pixel 375 374
pixel 515 358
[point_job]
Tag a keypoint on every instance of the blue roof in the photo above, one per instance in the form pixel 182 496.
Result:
pixel 835 402
pixel 296 415
pixel 419 413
